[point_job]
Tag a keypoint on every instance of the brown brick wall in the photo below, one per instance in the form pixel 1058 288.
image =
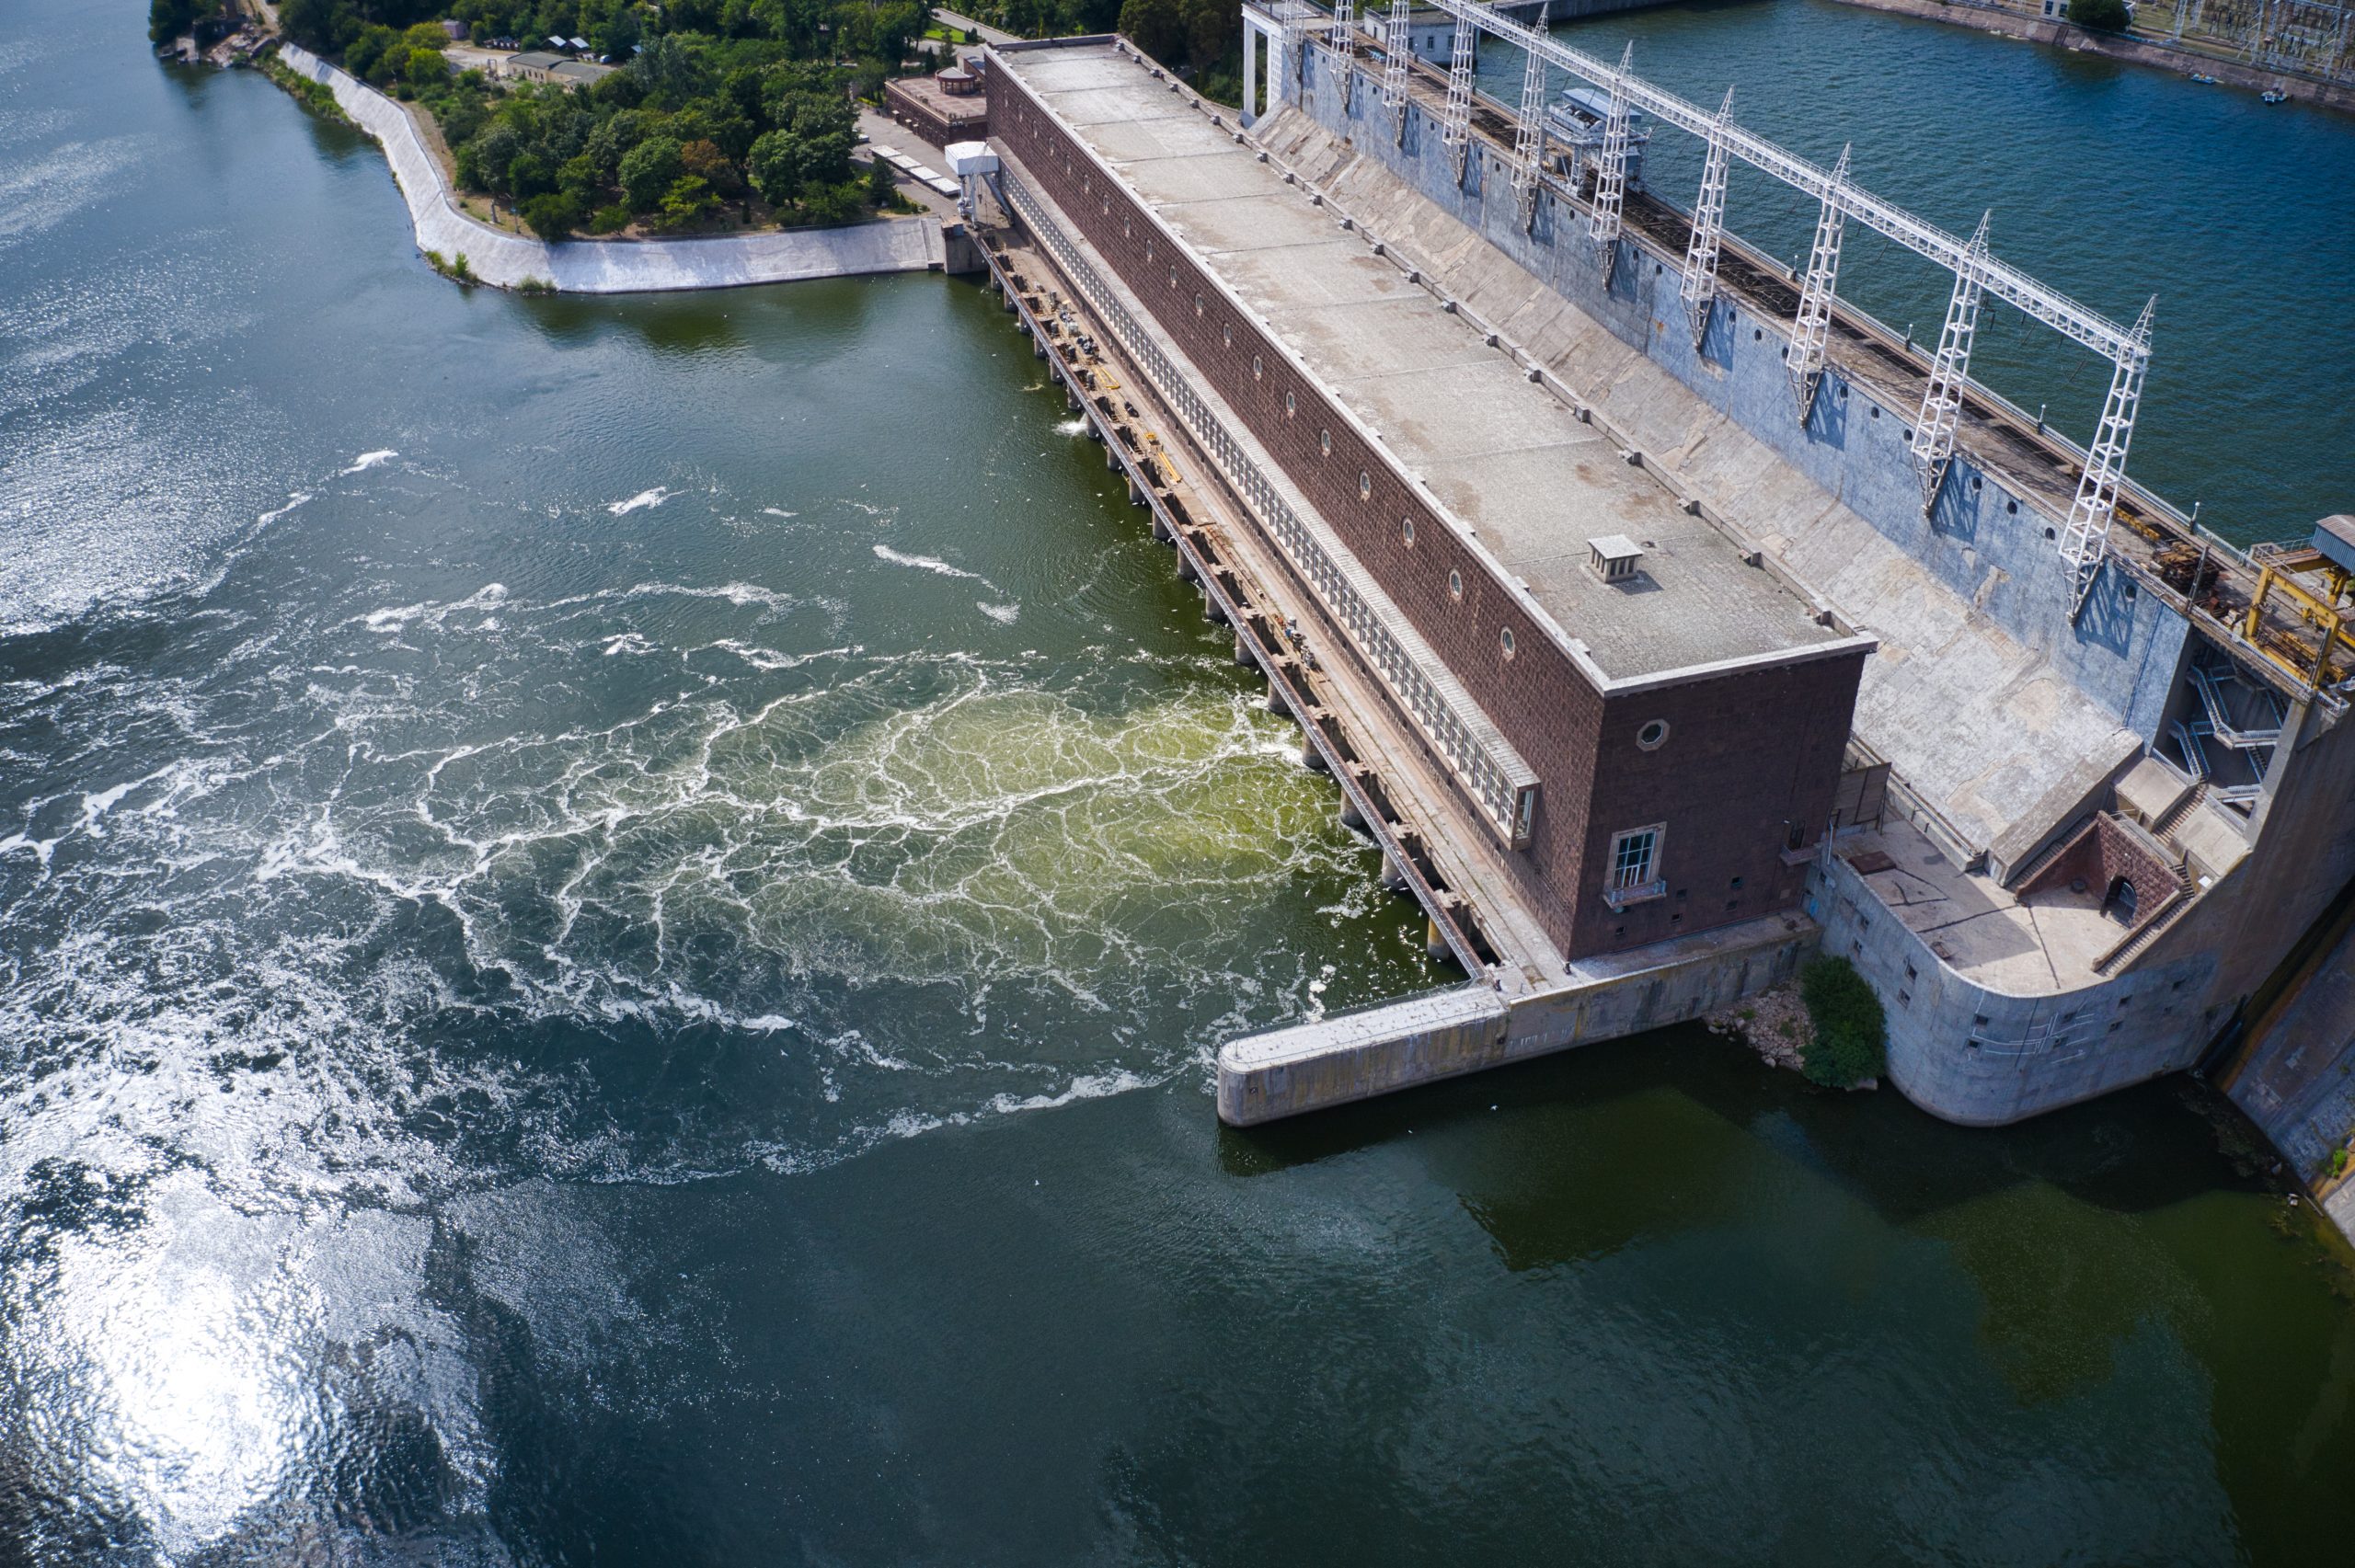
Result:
pixel 1747 750
pixel 924 119
pixel 2103 851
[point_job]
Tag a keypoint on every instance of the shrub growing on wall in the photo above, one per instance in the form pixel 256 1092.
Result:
pixel 1850 1035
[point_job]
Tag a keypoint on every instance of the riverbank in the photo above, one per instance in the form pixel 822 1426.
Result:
pixel 607 266
pixel 2115 46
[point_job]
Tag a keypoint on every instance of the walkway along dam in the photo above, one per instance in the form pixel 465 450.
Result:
pixel 1663 617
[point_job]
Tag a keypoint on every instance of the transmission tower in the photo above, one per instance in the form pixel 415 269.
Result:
pixel 1455 125
pixel 1949 373
pixel 1812 328
pixel 2087 530
pixel 1396 49
pixel 1529 134
pixel 1700 285
pixel 1344 38
pixel 1610 171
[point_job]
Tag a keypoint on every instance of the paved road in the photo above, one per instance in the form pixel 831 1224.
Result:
pixel 982 31
pixel 884 132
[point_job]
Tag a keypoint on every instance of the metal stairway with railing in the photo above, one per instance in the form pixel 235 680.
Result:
pixel 2224 724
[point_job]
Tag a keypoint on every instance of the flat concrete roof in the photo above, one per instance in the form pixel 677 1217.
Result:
pixel 1501 454
pixel 2036 946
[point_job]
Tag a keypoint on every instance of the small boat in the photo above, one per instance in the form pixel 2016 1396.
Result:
pixel 2273 95
pixel 2204 79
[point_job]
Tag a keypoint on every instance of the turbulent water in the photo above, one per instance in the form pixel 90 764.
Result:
pixel 612 915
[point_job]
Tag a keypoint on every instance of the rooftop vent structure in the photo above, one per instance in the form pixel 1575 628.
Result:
pixel 1614 557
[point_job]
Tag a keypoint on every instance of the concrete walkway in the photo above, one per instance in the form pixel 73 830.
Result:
pixel 982 31
pixel 612 267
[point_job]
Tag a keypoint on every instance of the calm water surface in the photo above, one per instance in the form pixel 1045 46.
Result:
pixel 610 920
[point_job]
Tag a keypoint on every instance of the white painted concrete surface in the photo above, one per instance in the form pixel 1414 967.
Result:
pixel 612 267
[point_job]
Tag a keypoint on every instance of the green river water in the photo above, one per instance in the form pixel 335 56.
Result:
pixel 613 915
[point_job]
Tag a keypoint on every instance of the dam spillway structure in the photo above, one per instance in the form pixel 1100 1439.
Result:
pixel 1664 617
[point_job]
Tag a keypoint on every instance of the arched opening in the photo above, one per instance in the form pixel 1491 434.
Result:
pixel 2120 901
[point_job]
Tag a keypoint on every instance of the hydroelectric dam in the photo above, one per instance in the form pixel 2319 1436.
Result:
pixel 1665 618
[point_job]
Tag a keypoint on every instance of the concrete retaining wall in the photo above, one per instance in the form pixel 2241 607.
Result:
pixel 611 266
pixel 1978 1057
pixel 1331 1061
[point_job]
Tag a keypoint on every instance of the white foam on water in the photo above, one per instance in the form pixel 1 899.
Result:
pixel 778 512
pixel 1004 614
pixel 766 658
pixel 928 563
pixel 1074 427
pixel 626 642
pixel 653 498
pixel 368 460
pixel 1087 1086
pixel 293 500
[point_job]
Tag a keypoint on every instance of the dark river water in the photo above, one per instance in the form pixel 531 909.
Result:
pixel 611 920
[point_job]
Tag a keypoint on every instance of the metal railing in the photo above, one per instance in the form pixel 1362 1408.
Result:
pixel 1482 762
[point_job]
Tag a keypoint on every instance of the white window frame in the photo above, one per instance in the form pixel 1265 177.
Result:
pixel 1622 888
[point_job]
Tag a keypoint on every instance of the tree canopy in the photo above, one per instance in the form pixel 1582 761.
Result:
pixel 716 112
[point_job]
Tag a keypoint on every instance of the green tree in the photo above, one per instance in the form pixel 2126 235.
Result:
pixel 424 66
pixel 666 69
pixel 366 55
pixel 834 204
pixel 775 165
pixel 650 170
pixel 528 175
pixel 552 216
pixel 1851 1032
pixel 704 160
pixel 613 140
pixel 688 203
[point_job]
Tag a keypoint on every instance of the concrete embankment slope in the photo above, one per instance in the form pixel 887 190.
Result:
pixel 612 267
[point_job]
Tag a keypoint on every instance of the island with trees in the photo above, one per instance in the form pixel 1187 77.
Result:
pixel 721 117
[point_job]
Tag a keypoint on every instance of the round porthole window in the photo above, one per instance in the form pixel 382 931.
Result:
pixel 1653 736
pixel 1504 640
pixel 1325 440
pixel 1407 531
pixel 1365 486
pixel 1455 586
pixel 1289 406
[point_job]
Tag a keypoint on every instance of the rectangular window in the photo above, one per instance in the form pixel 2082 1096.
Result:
pixel 1632 855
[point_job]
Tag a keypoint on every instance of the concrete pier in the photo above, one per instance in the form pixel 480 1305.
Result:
pixel 1333 1060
